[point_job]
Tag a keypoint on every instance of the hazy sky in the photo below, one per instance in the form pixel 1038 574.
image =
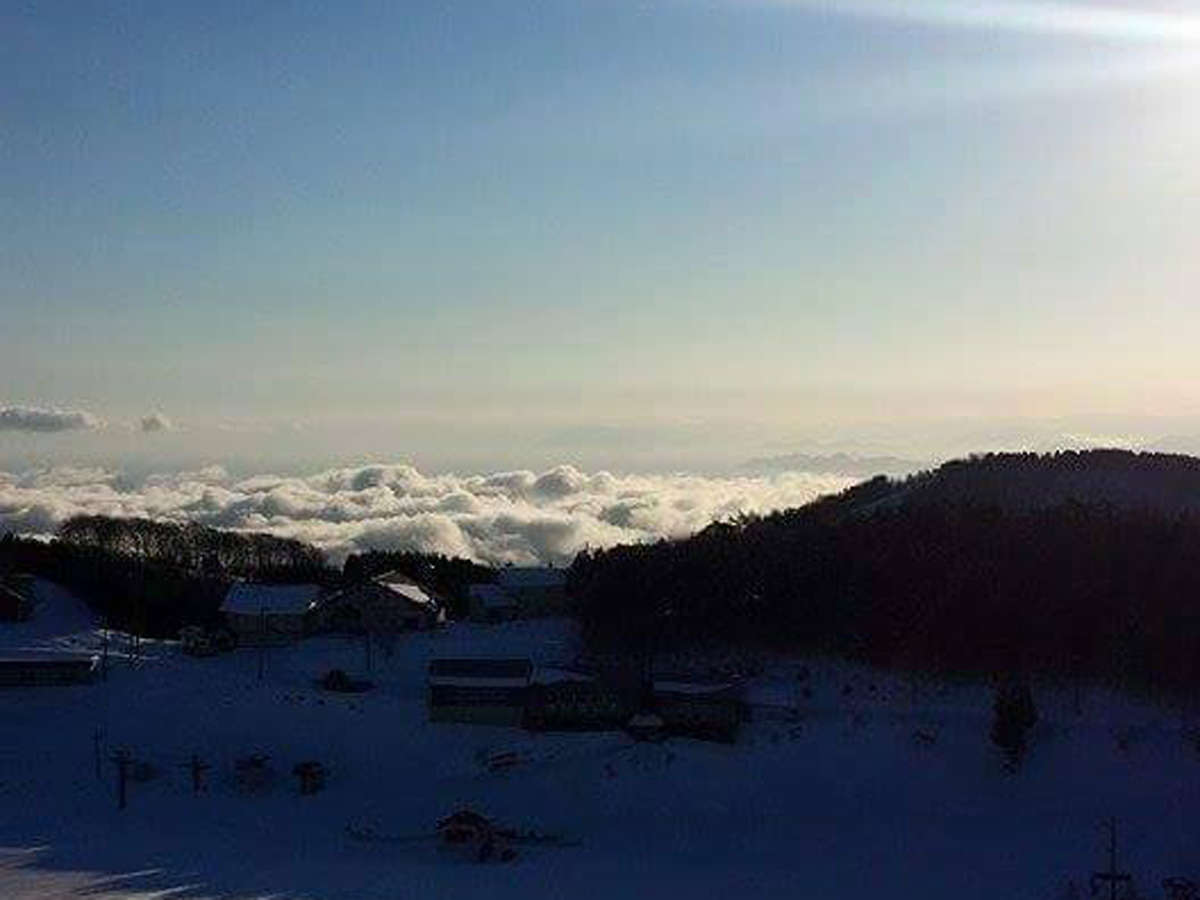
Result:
pixel 615 232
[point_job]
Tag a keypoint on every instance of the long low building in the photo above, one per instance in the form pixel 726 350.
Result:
pixel 479 691
pixel 269 613
pixel 47 668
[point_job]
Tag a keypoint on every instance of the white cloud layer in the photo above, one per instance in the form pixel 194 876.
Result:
pixel 40 419
pixel 519 517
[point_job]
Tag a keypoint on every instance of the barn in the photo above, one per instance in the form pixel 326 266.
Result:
pixel 686 707
pixel 28 669
pixel 261 614
pixel 388 603
pixel 479 691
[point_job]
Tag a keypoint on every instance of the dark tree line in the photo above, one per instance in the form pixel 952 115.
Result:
pixel 193 549
pixel 967 569
pixel 449 576
pixel 154 577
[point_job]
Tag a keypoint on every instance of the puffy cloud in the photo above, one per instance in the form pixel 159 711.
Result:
pixel 520 517
pixel 39 419
pixel 155 422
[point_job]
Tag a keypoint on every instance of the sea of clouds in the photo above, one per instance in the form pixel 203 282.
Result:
pixel 520 517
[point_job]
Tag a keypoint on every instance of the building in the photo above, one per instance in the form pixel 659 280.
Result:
pixel 538 591
pixel 682 707
pixel 385 604
pixel 30 669
pixel 479 691
pixel 578 704
pixel 491 603
pixel 269 613
pixel 700 709
pixel 15 605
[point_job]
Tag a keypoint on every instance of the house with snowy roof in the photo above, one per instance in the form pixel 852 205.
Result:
pixel 269 613
pixel 385 604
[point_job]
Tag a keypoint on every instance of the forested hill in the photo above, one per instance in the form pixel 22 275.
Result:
pixel 1015 481
pixel 1168 482
pixel 1083 563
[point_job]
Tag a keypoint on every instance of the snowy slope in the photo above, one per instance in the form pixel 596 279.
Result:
pixel 842 800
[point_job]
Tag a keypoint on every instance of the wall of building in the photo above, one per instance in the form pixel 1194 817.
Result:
pixel 279 628
pixel 16 673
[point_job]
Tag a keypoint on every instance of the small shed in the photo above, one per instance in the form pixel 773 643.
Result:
pixel 388 603
pixel 479 691
pixel 269 613
pixel 27 669
pixel 491 603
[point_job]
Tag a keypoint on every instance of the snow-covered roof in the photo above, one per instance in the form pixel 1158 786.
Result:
pixel 249 598
pixel 557 675
pixel 531 577
pixel 691 687
pixel 409 591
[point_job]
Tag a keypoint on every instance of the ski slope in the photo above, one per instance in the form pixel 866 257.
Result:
pixel 876 786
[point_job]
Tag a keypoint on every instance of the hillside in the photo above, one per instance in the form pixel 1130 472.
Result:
pixel 1081 564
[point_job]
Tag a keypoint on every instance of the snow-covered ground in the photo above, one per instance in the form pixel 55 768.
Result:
pixel 889 788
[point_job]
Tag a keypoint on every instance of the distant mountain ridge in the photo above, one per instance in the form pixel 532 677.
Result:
pixel 834 464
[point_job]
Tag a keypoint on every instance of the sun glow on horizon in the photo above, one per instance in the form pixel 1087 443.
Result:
pixel 1086 20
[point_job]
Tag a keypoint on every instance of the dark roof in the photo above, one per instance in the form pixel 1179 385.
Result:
pixel 465 817
pixel 252 598
pixel 481 668
pixel 45 659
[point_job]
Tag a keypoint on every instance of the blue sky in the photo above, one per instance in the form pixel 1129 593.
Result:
pixel 620 232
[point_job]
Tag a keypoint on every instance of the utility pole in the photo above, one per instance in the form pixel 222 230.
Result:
pixel 136 618
pixel 123 760
pixel 262 640
pixel 1112 877
pixel 97 744
pixel 198 767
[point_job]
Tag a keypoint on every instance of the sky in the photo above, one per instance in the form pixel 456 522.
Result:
pixel 641 236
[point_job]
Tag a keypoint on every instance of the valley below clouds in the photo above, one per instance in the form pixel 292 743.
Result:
pixel 521 517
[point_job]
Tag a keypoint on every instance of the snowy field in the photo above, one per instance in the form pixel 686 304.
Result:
pixel 878 788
